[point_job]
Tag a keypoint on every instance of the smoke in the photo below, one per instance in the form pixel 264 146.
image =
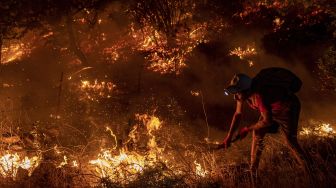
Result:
pixel 210 68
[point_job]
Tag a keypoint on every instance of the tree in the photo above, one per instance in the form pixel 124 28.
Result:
pixel 166 16
pixel 61 14
pixel 16 18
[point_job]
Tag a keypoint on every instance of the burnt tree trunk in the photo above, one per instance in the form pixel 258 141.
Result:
pixel 73 42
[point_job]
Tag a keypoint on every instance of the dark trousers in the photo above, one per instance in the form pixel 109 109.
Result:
pixel 287 120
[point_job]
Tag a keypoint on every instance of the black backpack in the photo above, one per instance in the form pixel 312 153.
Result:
pixel 276 77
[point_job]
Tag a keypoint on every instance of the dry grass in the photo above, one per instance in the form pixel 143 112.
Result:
pixel 184 145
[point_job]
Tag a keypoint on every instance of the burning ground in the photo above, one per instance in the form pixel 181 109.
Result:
pixel 112 94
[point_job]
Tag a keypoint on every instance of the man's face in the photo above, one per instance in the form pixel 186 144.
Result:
pixel 239 96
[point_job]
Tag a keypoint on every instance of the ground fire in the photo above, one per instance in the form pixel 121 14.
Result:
pixel 150 93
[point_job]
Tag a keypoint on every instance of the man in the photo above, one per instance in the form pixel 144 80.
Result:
pixel 278 107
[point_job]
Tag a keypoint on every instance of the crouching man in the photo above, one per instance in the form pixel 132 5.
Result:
pixel 271 92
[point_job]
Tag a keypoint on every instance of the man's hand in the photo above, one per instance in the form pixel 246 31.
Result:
pixel 227 142
pixel 243 132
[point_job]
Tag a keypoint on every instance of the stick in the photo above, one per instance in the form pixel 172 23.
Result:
pixel 59 94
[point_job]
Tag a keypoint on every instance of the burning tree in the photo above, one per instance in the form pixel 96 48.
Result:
pixel 61 16
pixel 107 134
pixel 16 19
pixel 173 20
pixel 168 16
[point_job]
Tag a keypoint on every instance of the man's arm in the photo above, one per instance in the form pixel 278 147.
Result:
pixel 236 118
pixel 234 122
pixel 264 121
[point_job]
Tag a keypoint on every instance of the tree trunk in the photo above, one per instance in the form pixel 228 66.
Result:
pixel 73 42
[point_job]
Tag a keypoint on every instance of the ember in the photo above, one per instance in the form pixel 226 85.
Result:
pixel 244 54
pixel 96 90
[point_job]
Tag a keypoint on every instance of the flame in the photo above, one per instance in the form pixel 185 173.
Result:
pixel 114 137
pixel 14 51
pixel 129 164
pixel 195 93
pixel 319 129
pixel 199 171
pixel 74 163
pixel 64 162
pixel 243 53
pixel 119 166
pixel 10 163
pixel 95 90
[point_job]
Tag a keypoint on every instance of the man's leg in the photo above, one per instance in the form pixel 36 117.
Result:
pixel 301 157
pixel 256 150
pixel 289 130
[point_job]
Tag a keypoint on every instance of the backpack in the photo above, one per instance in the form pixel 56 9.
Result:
pixel 276 77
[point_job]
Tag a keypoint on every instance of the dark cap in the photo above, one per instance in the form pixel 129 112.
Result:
pixel 239 82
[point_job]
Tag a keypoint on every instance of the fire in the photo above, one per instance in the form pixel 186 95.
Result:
pixel 129 163
pixel 163 54
pixel 97 85
pixel 244 54
pixel 199 171
pixel 11 162
pixel 114 137
pixel 74 163
pixel 195 93
pixel 96 90
pixel 64 162
pixel 124 166
pixel 14 51
pixel 319 129
pixel 111 54
pixel 277 23
pixel 121 166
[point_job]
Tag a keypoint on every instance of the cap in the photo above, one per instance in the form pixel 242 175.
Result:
pixel 239 82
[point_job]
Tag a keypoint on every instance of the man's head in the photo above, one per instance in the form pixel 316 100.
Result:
pixel 239 84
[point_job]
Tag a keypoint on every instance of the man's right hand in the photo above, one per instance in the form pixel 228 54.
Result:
pixel 227 141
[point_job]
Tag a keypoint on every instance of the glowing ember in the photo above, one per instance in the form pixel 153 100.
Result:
pixel 74 164
pixel 64 162
pixel 111 54
pixel 277 23
pixel 96 90
pixel 244 54
pixel 195 93
pixel 241 53
pixel 79 71
pixel 10 163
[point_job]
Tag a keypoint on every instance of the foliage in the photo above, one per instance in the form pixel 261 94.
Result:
pixel 327 69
